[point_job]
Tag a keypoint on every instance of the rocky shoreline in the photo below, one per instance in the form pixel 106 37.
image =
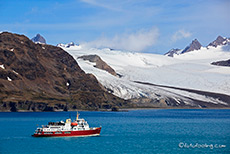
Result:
pixel 45 107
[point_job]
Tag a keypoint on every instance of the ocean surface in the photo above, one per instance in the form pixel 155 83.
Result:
pixel 136 131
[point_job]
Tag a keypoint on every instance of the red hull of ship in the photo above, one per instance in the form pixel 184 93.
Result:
pixel 93 132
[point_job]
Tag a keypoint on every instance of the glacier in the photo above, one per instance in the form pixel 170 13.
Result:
pixel 192 70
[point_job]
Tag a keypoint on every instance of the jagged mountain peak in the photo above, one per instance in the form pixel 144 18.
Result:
pixel 39 39
pixel 219 37
pixel 219 41
pixel 70 44
pixel 195 45
pixel 172 52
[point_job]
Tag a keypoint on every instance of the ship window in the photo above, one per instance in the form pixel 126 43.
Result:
pixel 54 127
pixel 67 132
pixel 48 132
pixel 58 132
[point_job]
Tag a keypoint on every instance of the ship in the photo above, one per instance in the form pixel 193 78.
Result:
pixel 68 128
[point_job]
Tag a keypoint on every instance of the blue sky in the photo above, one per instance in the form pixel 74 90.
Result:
pixel 153 26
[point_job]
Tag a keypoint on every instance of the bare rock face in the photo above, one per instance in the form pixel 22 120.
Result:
pixel 219 41
pixel 39 39
pixel 42 77
pixel 172 52
pixel 222 63
pixel 195 45
pixel 99 63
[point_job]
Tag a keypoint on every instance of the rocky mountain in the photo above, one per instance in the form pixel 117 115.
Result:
pixel 172 52
pixel 222 63
pixel 40 77
pixel 219 41
pixel 99 63
pixel 39 39
pixel 195 45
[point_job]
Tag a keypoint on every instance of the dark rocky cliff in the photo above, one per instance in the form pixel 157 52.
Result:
pixel 40 77
pixel 99 63
pixel 222 63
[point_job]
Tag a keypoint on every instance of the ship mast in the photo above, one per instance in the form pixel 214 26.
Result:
pixel 77 115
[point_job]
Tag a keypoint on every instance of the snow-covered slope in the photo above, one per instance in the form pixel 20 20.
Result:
pixel 192 70
pixel 69 46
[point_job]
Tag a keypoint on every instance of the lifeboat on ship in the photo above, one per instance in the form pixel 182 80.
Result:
pixel 74 124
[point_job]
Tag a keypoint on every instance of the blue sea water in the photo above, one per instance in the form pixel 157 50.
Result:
pixel 136 131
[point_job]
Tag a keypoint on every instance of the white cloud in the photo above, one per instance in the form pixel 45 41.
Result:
pixel 180 34
pixel 103 4
pixel 137 41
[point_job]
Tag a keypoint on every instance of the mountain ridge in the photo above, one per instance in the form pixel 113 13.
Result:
pixel 195 45
pixel 40 77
